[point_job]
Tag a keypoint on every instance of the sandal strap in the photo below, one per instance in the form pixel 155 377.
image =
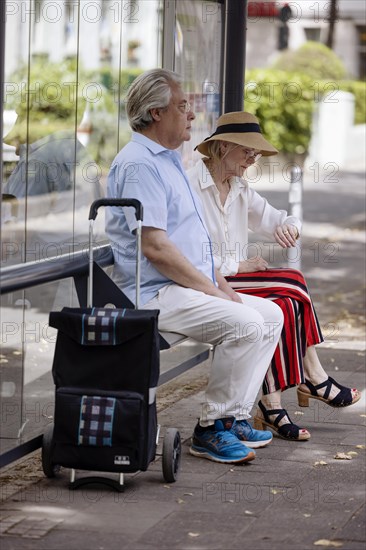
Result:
pixel 281 413
pixel 288 430
pixel 291 431
pixel 343 397
pixel 314 389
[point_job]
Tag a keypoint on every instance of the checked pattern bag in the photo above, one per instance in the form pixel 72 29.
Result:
pixel 100 326
pixel 96 420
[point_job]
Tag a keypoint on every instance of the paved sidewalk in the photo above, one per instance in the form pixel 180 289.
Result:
pixel 293 495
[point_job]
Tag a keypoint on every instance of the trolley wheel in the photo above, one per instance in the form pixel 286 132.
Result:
pixel 49 468
pixel 172 452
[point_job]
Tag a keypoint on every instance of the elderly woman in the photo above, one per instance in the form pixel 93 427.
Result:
pixel 231 208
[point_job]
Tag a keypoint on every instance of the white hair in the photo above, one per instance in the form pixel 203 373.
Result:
pixel 150 90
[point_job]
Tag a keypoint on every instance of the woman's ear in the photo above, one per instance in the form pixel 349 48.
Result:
pixel 223 147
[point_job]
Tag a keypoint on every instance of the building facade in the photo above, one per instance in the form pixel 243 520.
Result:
pixel 306 20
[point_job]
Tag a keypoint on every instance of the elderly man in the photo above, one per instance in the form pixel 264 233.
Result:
pixel 178 276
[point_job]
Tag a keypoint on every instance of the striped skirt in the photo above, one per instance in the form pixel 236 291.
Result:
pixel 288 289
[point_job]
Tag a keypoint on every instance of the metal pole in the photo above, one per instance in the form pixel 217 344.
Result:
pixel 91 260
pixel 2 78
pixel 295 209
pixel 169 14
pixel 234 55
pixel 138 263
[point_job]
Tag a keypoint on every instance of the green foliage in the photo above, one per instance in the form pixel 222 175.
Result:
pixel 47 87
pixel 314 60
pixel 283 103
pixel 50 97
pixel 358 89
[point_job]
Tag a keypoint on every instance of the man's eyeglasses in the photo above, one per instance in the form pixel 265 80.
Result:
pixel 185 107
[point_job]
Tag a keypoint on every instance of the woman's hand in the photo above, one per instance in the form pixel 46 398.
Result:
pixel 257 263
pixel 286 235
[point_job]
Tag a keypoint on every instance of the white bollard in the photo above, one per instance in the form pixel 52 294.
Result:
pixel 295 209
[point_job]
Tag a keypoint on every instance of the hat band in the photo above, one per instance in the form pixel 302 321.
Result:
pixel 247 127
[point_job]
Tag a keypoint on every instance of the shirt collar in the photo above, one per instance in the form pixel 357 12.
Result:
pixel 152 145
pixel 205 178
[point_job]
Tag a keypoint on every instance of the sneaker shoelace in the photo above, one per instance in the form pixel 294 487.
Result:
pixel 244 428
pixel 220 439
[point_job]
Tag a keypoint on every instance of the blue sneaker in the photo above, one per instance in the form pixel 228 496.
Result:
pixel 220 444
pixel 249 436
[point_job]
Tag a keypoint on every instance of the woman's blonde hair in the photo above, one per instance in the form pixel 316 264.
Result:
pixel 215 152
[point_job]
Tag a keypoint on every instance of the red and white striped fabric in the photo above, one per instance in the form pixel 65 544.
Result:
pixel 288 289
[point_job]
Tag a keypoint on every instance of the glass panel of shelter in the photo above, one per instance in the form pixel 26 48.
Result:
pixel 66 77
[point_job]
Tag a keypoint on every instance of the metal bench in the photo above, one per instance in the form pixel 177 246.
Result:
pixel 178 353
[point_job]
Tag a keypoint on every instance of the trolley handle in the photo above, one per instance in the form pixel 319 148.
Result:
pixel 116 202
pixel 139 216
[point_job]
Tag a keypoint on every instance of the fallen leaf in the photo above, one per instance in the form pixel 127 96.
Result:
pixel 248 513
pixel 352 453
pixel 167 486
pixel 326 542
pixel 193 534
pixel 275 491
pixel 320 463
pixel 180 501
pixel 360 446
pixel 342 456
pixel 307 515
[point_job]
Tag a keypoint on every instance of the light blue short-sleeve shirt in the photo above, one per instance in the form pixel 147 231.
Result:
pixel 154 175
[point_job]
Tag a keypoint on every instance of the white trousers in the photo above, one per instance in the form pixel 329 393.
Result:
pixel 244 335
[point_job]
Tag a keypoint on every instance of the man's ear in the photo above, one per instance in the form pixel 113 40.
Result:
pixel 155 114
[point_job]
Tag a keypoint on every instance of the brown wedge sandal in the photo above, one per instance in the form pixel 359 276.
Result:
pixel 343 399
pixel 288 431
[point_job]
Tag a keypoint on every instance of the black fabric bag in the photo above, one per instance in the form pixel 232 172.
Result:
pixel 106 370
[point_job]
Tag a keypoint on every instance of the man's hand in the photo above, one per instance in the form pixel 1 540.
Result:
pixel 226 290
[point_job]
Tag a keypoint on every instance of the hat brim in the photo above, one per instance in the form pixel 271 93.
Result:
pixel 252 140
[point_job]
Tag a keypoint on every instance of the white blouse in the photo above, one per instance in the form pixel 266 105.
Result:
pixel 228 225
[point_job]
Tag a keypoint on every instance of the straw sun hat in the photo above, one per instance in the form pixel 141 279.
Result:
pixel 242 129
